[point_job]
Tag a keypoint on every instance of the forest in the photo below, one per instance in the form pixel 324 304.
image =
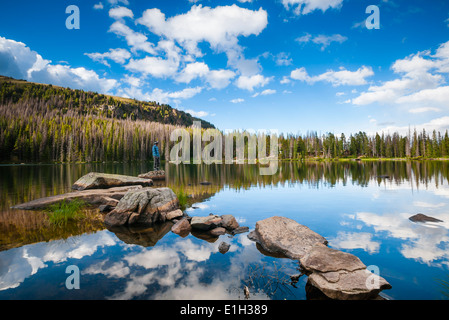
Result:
pixel 43 123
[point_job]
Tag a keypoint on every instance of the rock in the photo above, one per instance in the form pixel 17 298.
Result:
pixel 94 197
pixel 224 247
pixel 174 214
pixel 228 222
pixel 217 231
pixel 151 205
pixel 344 285
pixel 105 208
pixel 285 236
pixel 423 218
pixel 96 180
pixel 153 175
pixel 206 223
pixel 239 230
pixel 182 227
pixel 340 275
pixel 324 259
pixel 117 219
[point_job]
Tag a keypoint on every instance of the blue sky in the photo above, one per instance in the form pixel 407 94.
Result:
pixel 290 65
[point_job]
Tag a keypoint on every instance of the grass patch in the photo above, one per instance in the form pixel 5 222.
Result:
pixel 61 213
pixel 182 197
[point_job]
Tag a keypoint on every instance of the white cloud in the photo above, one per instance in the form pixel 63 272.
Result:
pixel 421 85
pixel 217 79
pixel 115 2
pixel 98 6
pixel 116 55
pixel 355 240
pixel 220 26
pixel 19 61
pixel 336 78
pixel 199 114
pixel 264 93
pixel 137 41
pixel 322 40
pixel 120 12
pixel 251 82
pixel 283 59
pixel 238 100
pixel 438 124
pixel 307 6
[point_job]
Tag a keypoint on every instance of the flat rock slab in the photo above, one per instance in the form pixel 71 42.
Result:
pixel 95 180
pixel 324 259
pixel 95 197
pixel 285 236
pixel 349 285
pixel 153 175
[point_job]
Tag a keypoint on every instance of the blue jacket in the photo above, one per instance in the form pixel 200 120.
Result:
pixel 155 151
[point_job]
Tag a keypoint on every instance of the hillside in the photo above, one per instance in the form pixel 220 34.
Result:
pixel 85 102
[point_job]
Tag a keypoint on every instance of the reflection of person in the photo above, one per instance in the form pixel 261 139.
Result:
pixel 156 156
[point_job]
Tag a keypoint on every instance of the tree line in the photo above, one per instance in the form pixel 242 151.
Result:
pixel 415 144
pixel 40 123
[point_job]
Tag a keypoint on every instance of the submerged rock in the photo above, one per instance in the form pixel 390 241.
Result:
pixel 95 180
pixel 285 236
pixel 423 218
pixel 144 206
pixel 224 247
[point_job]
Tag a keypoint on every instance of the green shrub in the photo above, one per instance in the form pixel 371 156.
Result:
pixel 61 213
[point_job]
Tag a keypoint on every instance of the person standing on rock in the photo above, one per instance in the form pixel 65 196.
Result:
pixel 156 156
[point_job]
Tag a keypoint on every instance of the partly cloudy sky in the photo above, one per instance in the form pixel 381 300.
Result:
pixel 290 65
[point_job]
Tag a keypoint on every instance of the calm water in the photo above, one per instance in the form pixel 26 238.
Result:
pixel 348 203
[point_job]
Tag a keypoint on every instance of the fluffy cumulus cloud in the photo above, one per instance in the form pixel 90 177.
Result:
pixel 251 82
pixel 336 78
pixel 120 12
pixel 220 26
pixel 421 83
pixel 177 55
pixel 19 61
pixel 301 7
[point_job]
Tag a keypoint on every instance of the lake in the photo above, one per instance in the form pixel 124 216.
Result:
pixel 360 207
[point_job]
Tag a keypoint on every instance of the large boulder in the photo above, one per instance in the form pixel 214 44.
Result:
pixel 340 275
pixel 144 206
pixel 280 235
pixel 95 180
